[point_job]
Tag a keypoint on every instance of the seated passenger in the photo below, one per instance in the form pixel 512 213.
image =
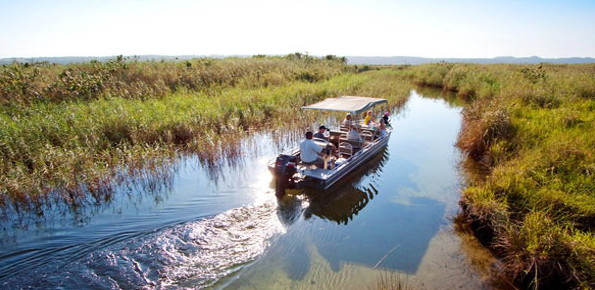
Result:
pixel 382 128
pixel 320 134
pixel 368 120
pixel 310 152
pixel 353 134
pixel 385 118
pixel 347 122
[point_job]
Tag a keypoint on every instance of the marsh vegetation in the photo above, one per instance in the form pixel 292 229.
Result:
pixel 69 133
pixel 528 137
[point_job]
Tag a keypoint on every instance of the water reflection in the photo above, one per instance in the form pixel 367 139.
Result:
pixel 345 200
pixel 342 207
pixel 63 208
pixel 391 236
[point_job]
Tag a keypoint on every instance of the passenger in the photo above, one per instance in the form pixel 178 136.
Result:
pixel 382 128
pixel 368 120
pixel 347 122
pixel 353 135
pixel 385 117
pixel 320 134
pixel 310 152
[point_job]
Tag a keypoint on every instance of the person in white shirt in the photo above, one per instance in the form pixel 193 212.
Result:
pixel 310 152
pixel 347 122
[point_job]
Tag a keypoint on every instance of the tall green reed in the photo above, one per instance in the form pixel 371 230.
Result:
pixel 528 128
pixel 71 148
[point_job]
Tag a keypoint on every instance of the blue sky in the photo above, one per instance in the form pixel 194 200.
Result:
pixel 456 28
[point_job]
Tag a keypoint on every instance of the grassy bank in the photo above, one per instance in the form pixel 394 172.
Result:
pixel 73 143
pixel 529 138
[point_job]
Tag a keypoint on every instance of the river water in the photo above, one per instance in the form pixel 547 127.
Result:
pixel 205 226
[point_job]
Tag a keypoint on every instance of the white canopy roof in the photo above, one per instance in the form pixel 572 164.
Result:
pixel 351 104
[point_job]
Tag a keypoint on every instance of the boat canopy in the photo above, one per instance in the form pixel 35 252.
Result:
pixel 350 104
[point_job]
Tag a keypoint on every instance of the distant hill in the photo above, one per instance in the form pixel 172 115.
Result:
pixel 388 60
pixel 82 59
pixel 356 60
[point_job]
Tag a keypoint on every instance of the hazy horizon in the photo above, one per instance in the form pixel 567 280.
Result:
pixel 281 55
pixel 371 28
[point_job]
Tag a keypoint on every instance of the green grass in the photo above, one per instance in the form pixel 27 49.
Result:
pixel 528 134
pixel 71 150
pixel 23 84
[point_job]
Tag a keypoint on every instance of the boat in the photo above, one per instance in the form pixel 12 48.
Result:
pixel 290 172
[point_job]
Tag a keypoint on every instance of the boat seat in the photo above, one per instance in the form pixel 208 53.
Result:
pixel 345 150
pixel 367 136
pixel 354 144
pixel 310 166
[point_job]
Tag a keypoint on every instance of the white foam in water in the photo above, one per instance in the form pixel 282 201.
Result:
pixel 194 254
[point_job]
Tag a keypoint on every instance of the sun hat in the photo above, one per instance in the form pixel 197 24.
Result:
pixel 386 113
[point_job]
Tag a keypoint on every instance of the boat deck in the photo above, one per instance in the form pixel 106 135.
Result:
pixel 317 173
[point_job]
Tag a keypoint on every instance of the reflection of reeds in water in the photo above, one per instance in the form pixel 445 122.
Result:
pixel 393 281
pixel 151 178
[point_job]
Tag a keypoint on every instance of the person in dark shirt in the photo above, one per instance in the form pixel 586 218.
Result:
pixel 385 118
pixel 320 134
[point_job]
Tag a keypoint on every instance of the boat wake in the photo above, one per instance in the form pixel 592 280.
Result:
pixel 193 254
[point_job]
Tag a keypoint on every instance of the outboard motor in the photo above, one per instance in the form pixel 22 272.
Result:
pixel 284 171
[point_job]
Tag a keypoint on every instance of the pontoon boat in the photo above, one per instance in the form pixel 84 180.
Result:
pixel 290 172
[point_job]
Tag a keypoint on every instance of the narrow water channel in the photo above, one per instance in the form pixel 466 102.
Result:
pixel 222 227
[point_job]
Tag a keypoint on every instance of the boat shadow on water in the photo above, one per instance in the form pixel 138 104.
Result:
pixel 379 235
pixel 345 200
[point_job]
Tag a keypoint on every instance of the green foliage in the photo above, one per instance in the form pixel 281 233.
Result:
pixel 24 84
pixel 530 130
pixel 70 150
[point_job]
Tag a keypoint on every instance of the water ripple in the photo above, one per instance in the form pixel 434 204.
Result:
pixel 193 254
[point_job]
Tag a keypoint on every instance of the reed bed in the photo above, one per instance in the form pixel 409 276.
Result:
pixel 22 84
pixel 72 146
pixel 528 137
